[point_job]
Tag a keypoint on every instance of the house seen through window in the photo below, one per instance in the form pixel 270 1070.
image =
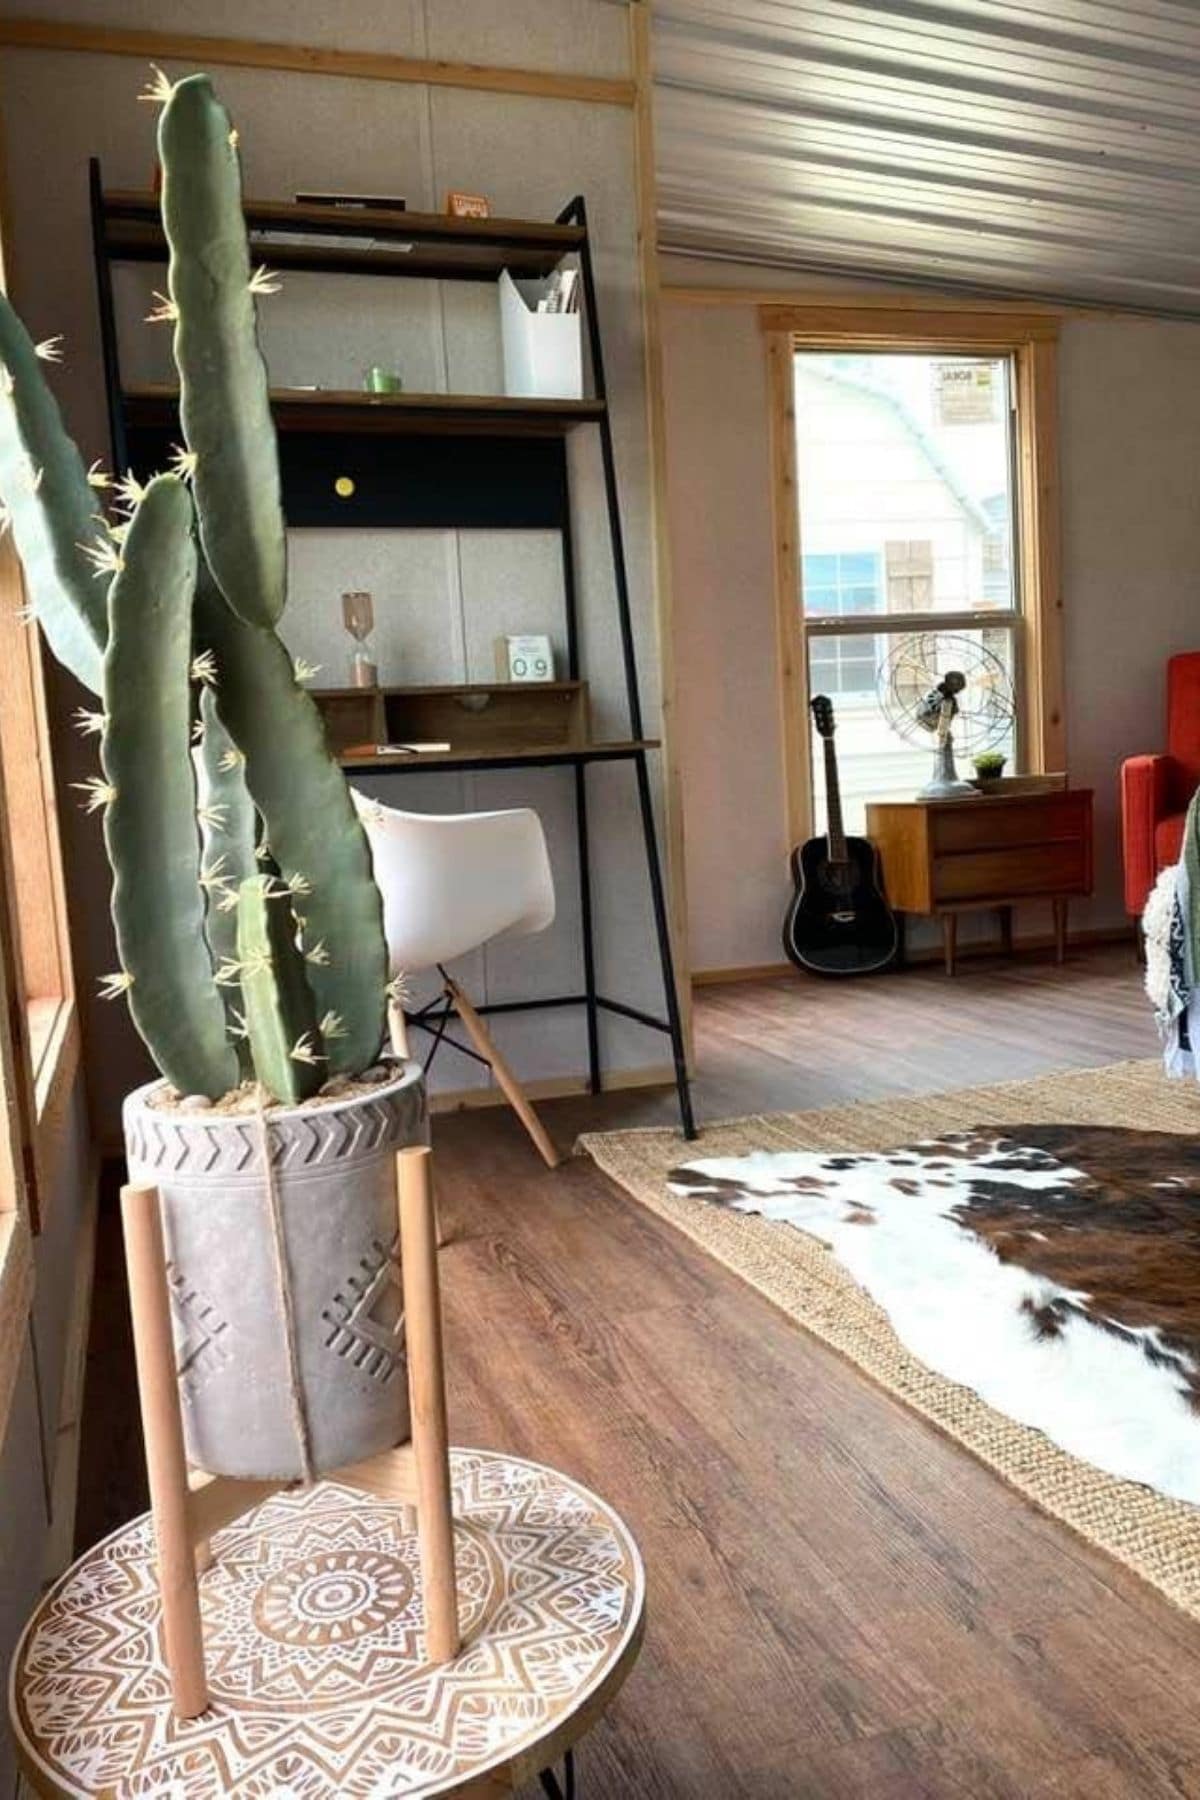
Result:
pixel 907 519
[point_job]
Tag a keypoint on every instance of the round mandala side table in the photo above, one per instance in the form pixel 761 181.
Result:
pixel 320 1685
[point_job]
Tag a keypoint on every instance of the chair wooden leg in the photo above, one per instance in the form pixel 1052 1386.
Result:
pixel 427 1400
pixel 398 1038
pixel 480 1036
pixel 398 1030
pixel 166 1463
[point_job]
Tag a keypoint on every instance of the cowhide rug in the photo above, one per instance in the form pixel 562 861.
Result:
pixel 1054 1269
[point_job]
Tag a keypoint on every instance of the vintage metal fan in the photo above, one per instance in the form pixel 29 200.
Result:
pixel 950 687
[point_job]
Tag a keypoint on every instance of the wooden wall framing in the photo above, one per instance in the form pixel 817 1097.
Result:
pixel 647 212
pixel 309 59
pixel 1030 337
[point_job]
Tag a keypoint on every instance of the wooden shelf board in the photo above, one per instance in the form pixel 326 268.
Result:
pixel 438 247
pixel 529 753
pixel 349 410
pixel 456 688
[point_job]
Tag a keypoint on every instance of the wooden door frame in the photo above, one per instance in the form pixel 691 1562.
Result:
pixel 1030 338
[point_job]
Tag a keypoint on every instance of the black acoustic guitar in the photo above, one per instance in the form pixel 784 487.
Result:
pixel 838 922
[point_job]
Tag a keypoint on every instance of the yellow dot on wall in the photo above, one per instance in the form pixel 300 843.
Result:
pixel 343 487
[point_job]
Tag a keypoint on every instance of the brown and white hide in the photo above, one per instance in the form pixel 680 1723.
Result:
pixel 1054 1269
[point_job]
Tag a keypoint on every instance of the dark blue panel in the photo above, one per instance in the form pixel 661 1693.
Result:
pixel 407 481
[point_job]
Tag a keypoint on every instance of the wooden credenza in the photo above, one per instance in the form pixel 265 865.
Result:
pixel 945 857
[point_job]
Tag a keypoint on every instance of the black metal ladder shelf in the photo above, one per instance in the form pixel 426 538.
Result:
pixel 433 460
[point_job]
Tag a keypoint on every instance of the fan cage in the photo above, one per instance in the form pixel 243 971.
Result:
pixel 914 668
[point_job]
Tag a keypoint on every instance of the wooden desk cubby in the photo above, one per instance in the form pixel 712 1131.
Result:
pixel 480 718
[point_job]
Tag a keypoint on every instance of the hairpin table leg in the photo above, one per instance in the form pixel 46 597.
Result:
pixel 551 1784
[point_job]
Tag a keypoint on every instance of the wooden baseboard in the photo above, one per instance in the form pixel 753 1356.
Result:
pixel 554 1087
pixel 744 972
pixel 1091 936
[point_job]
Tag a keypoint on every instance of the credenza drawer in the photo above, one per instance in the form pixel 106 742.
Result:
pixel 969 825
pixel 1009 873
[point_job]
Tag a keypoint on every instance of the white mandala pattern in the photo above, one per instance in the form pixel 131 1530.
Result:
pixel 315 1648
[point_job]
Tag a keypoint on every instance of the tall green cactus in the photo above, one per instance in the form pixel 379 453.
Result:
pixel 228 845
pixel 224 407
pixel 282 1029
pixel 149 804
pixel 311 826
pixel 203 923
pixel 52 507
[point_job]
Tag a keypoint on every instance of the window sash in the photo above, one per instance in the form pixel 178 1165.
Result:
pixel 907 624
pixel 1026 334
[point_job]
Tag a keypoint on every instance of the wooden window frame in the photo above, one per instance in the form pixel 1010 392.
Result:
pixel 1030 338
pixel 34 946
pixel 18 1177
pixel 39 1033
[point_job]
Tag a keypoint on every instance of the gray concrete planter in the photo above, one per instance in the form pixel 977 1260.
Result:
pixel 337 1206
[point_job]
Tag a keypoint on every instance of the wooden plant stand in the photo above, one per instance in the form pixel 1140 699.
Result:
pixel 426 1622
pixel 189 1506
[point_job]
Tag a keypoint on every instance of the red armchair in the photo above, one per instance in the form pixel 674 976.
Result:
pixel 1155 790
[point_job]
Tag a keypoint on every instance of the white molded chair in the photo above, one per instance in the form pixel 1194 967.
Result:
pixel 450 884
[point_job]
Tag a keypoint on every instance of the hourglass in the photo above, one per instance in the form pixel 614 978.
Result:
pixel 358 616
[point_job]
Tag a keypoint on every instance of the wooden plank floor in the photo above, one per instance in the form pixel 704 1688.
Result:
pixel 842 1603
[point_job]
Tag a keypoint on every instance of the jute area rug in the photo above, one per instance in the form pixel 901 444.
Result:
pixel 1156 1536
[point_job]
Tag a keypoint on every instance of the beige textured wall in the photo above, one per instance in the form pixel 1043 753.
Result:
pixel 1130 429
pixel 441 596
pixel 727 706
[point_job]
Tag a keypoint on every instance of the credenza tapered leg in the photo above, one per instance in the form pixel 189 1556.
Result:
pixel 1060 931
pixel 950 940
pixel 1006 930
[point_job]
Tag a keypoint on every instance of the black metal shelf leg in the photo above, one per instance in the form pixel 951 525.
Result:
pixel 550 1782
pixel 608 460
pixel 586 928
pixel 109 342
pixel 665 956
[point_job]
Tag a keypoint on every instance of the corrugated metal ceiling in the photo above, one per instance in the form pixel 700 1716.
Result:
pixel 1045 148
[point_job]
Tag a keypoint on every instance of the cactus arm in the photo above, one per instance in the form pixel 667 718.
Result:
pixel 310 822
pixel 53 512
pixel 149 823
pixel 228 839
pixel 281 1020
pixel 224 404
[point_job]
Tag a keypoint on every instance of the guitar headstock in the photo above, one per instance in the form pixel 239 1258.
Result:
pixel 822 712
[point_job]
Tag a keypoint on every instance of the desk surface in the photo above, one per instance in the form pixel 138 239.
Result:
pixel 363 759
pixel 315 1649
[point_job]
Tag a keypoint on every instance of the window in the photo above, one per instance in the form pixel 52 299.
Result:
pixel 838 585
pixel 915 467
pixel 847 582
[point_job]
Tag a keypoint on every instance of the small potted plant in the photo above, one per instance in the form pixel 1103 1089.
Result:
pixel 989 767
pixel 248 924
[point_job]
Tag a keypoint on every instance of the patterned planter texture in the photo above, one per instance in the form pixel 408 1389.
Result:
pixel 289 1340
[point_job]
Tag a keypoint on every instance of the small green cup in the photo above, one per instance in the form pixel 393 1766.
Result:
pixel 382 381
